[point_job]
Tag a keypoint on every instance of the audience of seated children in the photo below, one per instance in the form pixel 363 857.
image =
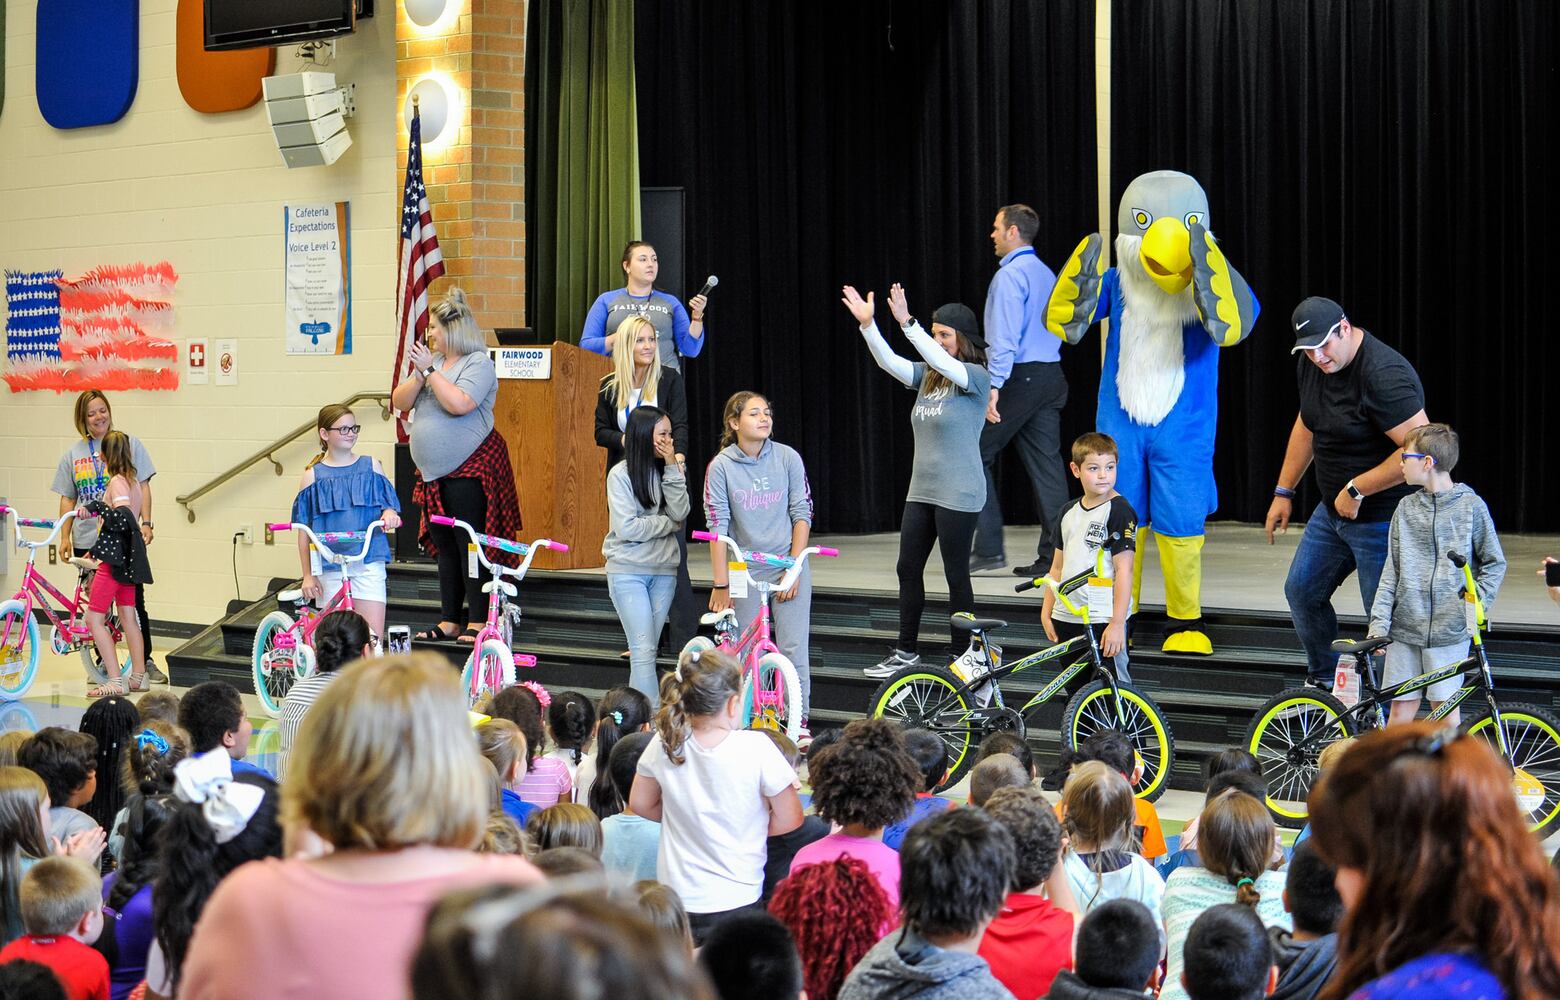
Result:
pixel 1324 762
pixel 504 943
pixel 999 771
pixel 1031 940
pixel 1112 748
pixel 1237 867
pixel 751 956
pixel 1227 956
pixel 571 719
pixel 1115 956
pixel 1446 893
pixel 1307 956
pixel 623 711
pixel 955 871
pixel 718 791
pixel 546 780
pixel 339 638
pixel 1187 856
pixel 834 911
pixel 1225 761
pixel 863 782
pixel 111 722
pixel 67 763
pixel 213 714
pixel 62 910
pixel 147 770
pixel 127 893
pixel 25 840
pixel 663 908
pixel 1099 819
pixel 1011 744
pixel 565 824
pixel 782 847
pixel 930 754
pixel 385 804
pixel 504 746
pixel 630 843
pixel 24 980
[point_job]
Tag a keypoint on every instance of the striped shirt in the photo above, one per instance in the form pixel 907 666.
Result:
pixel 294 707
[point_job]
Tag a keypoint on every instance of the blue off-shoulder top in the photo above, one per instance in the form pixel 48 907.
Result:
pixel 349 498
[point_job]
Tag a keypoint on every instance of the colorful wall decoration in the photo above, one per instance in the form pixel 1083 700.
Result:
pixel 88 60
pixel 109 329
pixel 213 82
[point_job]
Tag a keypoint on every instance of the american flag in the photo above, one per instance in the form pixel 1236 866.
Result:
pixel 420 262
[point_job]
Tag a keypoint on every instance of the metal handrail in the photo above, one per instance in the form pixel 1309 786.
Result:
pixel 266 453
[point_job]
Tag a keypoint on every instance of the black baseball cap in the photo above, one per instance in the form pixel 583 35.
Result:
pixel 1314 321
pixel 962 318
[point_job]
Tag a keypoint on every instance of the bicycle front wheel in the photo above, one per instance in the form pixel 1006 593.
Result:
pixel 1091 710
pixel 1533 734
pixel 18 650
pixel 494 664
pixel 775 702
pixel 1287 736
pixel 274 669
pixel 912 698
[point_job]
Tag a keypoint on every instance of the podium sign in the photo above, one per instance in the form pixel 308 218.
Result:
pixel 522 362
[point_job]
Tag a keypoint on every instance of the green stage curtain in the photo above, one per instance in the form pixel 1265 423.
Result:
pixel 582 162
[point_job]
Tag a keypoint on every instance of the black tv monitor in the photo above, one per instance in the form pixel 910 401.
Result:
pixel 252 24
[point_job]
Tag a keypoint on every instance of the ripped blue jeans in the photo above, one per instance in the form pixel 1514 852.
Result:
pixel 642 602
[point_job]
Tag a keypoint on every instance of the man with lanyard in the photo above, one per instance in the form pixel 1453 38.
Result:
pixel 1028 389
pixel 1358 399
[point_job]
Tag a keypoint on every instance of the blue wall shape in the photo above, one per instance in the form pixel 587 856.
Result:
pixel 88 60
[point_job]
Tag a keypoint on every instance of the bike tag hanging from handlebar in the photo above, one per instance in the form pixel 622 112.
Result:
pixel 737 580
pixel 472 566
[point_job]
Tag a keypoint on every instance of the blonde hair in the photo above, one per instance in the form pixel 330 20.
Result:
pixel 82 402
pixel 1438 441
pixel 462 336
pixel 1235 837
pixel 10 742
pixel 622 377
pixel 733 412
pixel 699 687
pixel 57 893
pixel 502 835
pixel 1332 751
pixel 117 455
pixel 565 824
pixel 385 759
pixel 329 414
pixel 1098 812
pixel 504 746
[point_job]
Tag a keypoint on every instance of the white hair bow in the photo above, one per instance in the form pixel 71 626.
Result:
pixel 207 781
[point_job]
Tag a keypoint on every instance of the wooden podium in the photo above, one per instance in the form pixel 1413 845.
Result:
pixel 549 422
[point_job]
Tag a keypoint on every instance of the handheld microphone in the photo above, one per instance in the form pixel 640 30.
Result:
pixel 709 283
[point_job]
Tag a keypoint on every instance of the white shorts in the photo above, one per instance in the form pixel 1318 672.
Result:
pixel 368 582
pixel 1405 660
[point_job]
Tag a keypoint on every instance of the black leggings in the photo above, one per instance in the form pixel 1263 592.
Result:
pixel 952 530
pixel 463 499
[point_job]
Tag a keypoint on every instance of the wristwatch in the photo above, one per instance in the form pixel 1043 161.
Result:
pixel 148 524
pixel 908 323
pixel 427 373
pixel 1354 491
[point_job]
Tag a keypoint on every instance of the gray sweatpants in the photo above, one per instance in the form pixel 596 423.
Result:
pixel 790 622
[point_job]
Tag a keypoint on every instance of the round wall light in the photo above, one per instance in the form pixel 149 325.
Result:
pixel 425 13
pixel 436 104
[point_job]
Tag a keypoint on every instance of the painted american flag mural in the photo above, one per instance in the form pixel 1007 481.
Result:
pixel 109 329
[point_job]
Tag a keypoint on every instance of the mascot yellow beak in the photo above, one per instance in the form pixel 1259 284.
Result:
pixel 1167 254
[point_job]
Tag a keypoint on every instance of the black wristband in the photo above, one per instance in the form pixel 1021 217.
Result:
pixel 720 586
pixel 1284 491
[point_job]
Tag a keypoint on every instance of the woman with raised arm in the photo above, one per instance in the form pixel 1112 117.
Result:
pixel 947 481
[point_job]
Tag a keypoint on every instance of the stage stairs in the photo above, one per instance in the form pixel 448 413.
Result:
pixel 570 625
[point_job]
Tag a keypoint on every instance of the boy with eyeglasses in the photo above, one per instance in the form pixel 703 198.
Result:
pixel 1420 603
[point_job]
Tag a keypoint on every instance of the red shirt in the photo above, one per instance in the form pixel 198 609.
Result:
pixel 1028 944
pixel 82 970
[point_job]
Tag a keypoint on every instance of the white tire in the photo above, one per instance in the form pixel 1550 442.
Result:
pixel 789 715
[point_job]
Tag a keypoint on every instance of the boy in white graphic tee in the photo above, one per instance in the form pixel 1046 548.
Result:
pixel 1097 533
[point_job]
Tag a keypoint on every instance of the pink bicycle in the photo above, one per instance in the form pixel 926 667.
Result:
pixel 283 652
pixel 771 689
pixel 491 666
pixel 19 647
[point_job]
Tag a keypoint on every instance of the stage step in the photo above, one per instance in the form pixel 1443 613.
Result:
pixel 570 625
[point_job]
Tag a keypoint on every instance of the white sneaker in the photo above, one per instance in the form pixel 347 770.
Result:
pixel 892 664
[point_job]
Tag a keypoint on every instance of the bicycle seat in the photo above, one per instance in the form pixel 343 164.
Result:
pixel 509 588
pixel 290 596
pixel 966 622
pixel 1361 648
pixel 716 617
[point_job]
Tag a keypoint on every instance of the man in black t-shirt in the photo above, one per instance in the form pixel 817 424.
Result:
pixel 1358 398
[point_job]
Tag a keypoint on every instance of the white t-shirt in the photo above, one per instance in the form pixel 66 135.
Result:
pixel 1136 880
pixel 584 777
pixel 1090 538
pixel 715 817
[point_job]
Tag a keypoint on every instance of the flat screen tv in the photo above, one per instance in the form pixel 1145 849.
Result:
pixel 250 24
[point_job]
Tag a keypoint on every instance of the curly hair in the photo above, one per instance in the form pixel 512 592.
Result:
pixel 1037 833
pixel 835 911
pixel 521 706
pixel 867 778
pixel 148 768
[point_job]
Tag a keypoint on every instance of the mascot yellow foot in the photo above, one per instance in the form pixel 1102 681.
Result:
pixel 1180 559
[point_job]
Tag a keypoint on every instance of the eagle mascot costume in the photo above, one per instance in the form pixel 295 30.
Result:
pixel 1174 301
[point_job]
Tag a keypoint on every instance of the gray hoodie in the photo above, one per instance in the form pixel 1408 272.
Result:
pixel 905 965
pixel 639 540
pixel 1304 967
pixel 1418 600
pixel 757 500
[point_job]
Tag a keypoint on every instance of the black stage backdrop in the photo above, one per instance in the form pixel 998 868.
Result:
pixel 824 143
pixel 1384 153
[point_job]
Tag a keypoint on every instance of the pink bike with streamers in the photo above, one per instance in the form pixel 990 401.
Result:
pixel 771 688
pixel 284 649
pixel 491 666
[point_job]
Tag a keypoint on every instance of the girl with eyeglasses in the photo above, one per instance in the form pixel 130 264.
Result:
pixel 342 491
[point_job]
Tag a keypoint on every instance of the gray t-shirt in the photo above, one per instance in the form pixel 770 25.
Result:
pixel 947 471
pixel 81 478
pixel 65 822
pixel 441 441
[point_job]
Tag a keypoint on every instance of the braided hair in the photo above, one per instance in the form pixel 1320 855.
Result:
pixel 699 687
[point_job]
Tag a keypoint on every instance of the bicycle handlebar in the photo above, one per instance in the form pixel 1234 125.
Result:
pixel 526 552
pixel 56 525
pixel 1061 590
pixel 792 565
pixel 323 539
pixel 1461 562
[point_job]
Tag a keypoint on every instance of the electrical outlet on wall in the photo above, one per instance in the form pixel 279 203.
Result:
pixel 247 533
pixel 54 554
